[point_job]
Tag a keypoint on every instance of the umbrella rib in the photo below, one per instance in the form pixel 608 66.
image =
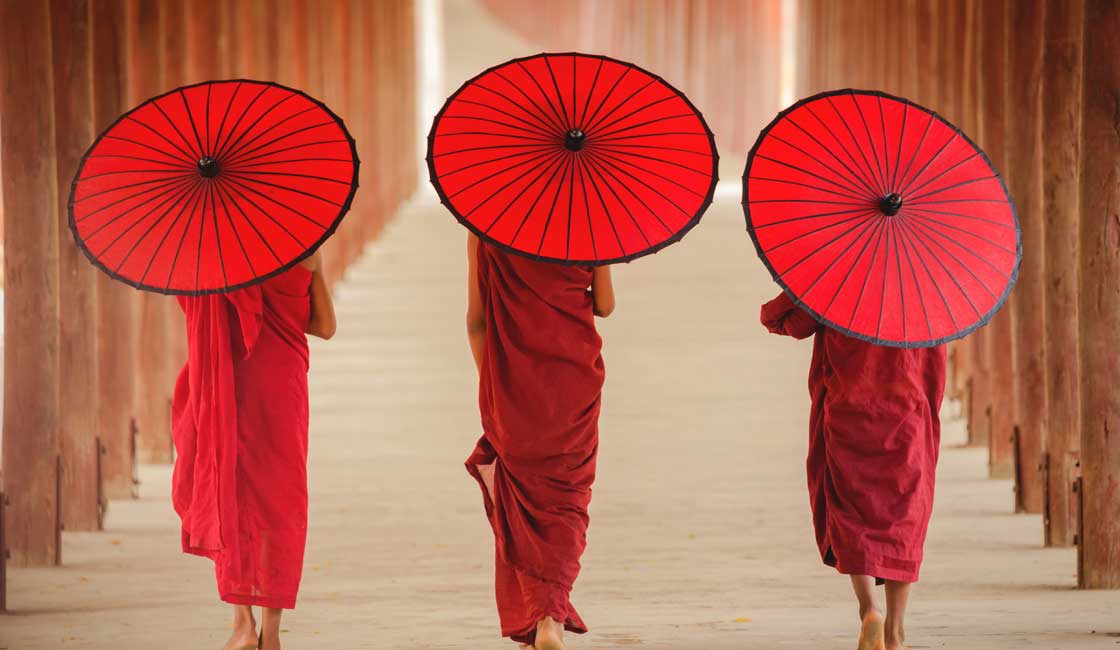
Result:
pixel 302 145
pixel 294 175
pixel 967 232
pixel 446 134
pixel 226 191
pixel 218 192
pixel 538 155
pixel 610 150
pixel 705 154
pixel 855 176
pixel 601 139
pixel 883 290
pixel 496 146
pixel 178 251
pixel 866 277
pixel 194 127
pixel 269 214
pixel 760 201
pixel 878 169
pixel 166 234
pixel 952 187
pixel 600 120
pixel 240 183
pixel 586 201
pixel 886 145
pixel 171 201
pixel 805 217
pixel 559 96
pixel 180 167
pixel 571 185
pixel 855 142
pixel 541 111
pixel 540 116
pixel 574 91
pixel 535 126
pixel 859 215
pixel 868 222
pixel 911 181
pixel 625 208
pixel 901 286
pixel 1005 226
pixel 152 181
pixel 603 124
pixel 607 161
pixel 548 100
pixel 954 279
pixel 898 156
pixel 620 161
pixel 294 160
pixel 201 236
pixel 237 151
pixel 918 148
pixel 233 128
pixel 639 125
pixel 933 231
pixel 809 173
pixel 186 154
pixel 820 248
pixel 603 202
pixel 812 187
pixel 217 234
pixel 904 236
pixel 242 154
pixel 850 176
pixel 610 91
pixel 180 172
pixel 180 186
pixel 590 92
pixel 559 160
pixel 943 172
pixel 844 281
pixel 444 175
pixel 175 127
pixel 543 163
pixel 206 150
pixel 225 114
pixel 247 177
pixel 552 208
pixel 231 144
pixel 171 185
pixel 552 136
pixel 933 281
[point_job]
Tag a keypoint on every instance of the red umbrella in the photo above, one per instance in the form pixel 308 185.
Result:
pixel 881 219
pixel 573 158
pixel 213 187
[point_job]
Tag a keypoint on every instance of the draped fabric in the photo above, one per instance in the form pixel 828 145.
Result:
pixel 239 422
pixel 874 434
pixel 539 394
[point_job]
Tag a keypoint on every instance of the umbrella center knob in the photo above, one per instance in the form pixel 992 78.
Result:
pixel 207 167
pixel 890 204
pixel 574 139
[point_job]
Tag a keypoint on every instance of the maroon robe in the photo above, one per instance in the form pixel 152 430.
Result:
pixel 539 393
pixel 239 421
pixel 874 434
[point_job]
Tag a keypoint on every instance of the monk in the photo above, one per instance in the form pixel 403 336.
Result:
pixel 532 332
pixel 874 433
pixel 239 421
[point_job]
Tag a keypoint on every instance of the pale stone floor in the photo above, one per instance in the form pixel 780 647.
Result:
pixel 700 536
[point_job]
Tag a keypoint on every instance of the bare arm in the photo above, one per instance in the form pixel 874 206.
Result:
pixel 476 317
pixel 602 291
pixel 322 323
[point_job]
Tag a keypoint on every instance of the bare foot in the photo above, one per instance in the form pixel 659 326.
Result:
pixel 244 637
pixel 550 635
pixel 871 633
pixel 270 641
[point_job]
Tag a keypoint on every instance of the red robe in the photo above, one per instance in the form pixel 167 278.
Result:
pixel 539 394
pixel 239 421
pixel 874 434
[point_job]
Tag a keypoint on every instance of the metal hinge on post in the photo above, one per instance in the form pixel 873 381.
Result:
pixel 1079 538
pixel 134 434
pixel 102 501
pixel 1017 459
pixel 1044 469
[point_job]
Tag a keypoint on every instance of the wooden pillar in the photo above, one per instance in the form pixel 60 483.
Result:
pixel 115 300
pixel 1024 177
pixel 1099 304
pixel 151 343
pixel 1061 113
pixel 31 408
pixel 77 285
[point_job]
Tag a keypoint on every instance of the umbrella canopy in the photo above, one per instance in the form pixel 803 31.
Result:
pixel 573 158
pixel 881 219
pixel 213 187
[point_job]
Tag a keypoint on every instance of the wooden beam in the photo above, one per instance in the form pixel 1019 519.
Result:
pixel 31 349
pixel 1099 304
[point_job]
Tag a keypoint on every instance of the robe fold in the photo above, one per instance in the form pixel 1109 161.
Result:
pixel 539 395
pixel 239 423
pixel 874 434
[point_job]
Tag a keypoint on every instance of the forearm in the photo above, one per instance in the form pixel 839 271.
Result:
pixel 477 340
pixel 322 322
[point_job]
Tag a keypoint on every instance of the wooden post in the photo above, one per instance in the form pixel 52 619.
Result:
pixel 1024 179
pixel 1099 303
pixel 1061 113
pixel 31 408
pixel 115 300
pixel 77 286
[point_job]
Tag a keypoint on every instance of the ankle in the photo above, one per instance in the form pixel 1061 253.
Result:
pixel 894 634
pixel 866 610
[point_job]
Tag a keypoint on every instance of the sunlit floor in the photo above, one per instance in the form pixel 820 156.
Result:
pixel 700 536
